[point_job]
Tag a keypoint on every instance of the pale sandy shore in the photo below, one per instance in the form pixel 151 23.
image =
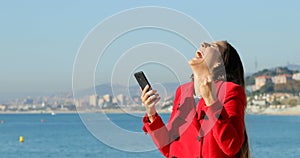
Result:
pixel 261 111
pixel 271 111
pixel 267 111
pixel 109 111
pixel 287 111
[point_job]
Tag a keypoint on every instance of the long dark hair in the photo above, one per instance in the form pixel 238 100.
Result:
pixel 234 72
pixel 232 69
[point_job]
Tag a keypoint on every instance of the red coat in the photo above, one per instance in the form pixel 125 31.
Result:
pixel 201 131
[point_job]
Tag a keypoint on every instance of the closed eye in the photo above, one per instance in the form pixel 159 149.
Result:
pixel 213 45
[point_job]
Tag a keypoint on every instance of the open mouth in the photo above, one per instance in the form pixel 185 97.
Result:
pixel 198 59
pixel 199 54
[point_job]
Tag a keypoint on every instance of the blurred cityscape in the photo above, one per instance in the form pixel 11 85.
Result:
pixel 65 103
pixel 274 91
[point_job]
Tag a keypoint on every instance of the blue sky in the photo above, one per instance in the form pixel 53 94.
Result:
pixel 40 39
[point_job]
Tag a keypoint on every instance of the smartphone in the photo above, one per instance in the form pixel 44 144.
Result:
pixel 142 80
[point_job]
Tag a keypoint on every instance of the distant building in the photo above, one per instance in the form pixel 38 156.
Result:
pixel 115 100
pixel 296 76
pixel 261 102
pixel 281 79
pixel 78 103
pixel 260 81
pixel 101 101
pixel 121 99
pixel 93 100
pixel 2 107
pixel 107 98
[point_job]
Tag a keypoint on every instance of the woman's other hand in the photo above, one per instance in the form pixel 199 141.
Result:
pixel 207 89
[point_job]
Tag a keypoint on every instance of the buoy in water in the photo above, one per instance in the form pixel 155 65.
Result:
pixel 2 121
pixel 21 139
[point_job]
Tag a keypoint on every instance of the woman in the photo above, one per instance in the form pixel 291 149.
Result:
pixel 207 119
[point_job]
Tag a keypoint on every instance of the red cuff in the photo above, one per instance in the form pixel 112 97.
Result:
pixel 156 124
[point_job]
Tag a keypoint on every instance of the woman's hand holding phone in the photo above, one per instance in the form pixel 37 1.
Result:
pixel 150 98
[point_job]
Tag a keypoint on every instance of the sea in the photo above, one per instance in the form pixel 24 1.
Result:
pixel 66 135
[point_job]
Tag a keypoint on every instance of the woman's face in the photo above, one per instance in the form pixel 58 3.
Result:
pixel 209 53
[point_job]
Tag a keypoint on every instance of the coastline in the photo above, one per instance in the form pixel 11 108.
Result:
pixel 279 112
pixel 274 111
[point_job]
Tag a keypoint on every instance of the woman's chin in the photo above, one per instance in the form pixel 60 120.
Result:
pixel 199 67
pixel 195 61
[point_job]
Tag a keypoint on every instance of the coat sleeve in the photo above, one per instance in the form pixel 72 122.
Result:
pixel 226 119
pixel 158 131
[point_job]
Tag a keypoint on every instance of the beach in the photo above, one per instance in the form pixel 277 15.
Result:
pixel 250 110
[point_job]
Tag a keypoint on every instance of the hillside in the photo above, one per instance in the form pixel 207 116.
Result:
pixel 292 86
pixel 250 80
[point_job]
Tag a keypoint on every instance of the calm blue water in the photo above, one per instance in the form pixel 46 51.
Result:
pixel 64 135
